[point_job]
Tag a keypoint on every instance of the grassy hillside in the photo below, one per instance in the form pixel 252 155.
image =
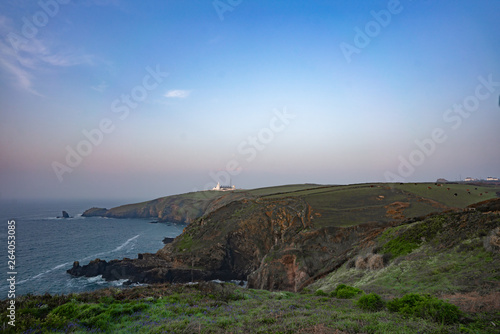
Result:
pixel 355 204
pixel 226 308
pixel 455 255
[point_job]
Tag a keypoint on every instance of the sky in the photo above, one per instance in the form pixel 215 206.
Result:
pixel 141 99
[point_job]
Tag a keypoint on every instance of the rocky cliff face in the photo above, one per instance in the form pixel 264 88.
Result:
pixel 272 243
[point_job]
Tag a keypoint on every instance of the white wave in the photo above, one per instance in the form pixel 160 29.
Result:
pixel 67 264
pixel 137 284
pixel 62 265
pixel 94 279
pixel 99 280
pixel 125 244
pixel 44 272
pixel 118 282
pixel 94 256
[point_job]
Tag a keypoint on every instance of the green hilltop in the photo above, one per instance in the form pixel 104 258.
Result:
pixel 338 205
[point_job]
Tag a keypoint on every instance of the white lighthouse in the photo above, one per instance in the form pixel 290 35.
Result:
pixel 218 187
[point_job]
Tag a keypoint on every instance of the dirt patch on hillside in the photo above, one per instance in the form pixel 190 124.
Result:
pixel 395 210
pixel 473 302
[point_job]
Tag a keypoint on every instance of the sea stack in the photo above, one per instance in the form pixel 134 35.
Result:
pixel 64 215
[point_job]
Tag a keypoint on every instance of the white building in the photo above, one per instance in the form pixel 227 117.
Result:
pixel 470 179
pixel 490 178
pixel 218 187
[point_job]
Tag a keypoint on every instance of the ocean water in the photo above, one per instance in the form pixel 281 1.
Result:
pixel 46 246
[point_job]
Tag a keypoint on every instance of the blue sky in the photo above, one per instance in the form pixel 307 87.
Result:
pixel 181 94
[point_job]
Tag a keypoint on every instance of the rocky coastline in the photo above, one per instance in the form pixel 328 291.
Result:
pixel 273 243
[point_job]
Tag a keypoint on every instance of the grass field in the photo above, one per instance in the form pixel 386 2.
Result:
pixel 348 205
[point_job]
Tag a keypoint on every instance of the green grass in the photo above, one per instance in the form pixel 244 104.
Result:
pixel 185 243
pixel 408 238
pixel 282 191
pixel 214 308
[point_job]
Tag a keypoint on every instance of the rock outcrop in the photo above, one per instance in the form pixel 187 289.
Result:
pixel 168 240
pixel 147 268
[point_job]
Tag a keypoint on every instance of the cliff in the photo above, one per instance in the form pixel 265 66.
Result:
pixel 283 238
pixel 176 209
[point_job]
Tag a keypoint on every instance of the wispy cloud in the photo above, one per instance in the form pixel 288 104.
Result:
pixel 177 93
pixel 100 87
pixel 26 57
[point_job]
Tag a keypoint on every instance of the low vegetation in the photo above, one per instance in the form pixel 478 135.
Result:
pixel 345 292
pixel 370 302
pixel 425 306
pixel 227 308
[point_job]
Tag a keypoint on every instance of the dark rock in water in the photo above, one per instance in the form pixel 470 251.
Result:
pixel 168 240
pixel 147 268
pixel 64 215
pixel 155 222
pixel 95 212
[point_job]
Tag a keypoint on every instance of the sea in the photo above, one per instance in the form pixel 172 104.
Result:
pixel 46 246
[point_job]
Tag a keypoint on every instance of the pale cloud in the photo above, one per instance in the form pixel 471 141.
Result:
pixel 23 58
pixel 101 87
pixel 177 93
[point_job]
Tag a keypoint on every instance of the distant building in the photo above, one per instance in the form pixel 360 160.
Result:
pixel 470 179
pixel 490 178
pixel 441 180
pixel 218 187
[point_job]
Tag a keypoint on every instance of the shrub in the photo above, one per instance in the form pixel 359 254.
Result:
pixel 425 306
pixel 345 292
pixel 400 246
pixel 320 293
pixel 370 302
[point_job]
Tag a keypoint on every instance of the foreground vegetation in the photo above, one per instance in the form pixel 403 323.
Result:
pixel 226 308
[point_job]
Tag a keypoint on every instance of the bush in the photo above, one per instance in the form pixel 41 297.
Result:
pixel 425 306
pixel 345 292
pixel 370 302
pixel 320 293
pixel 400 246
